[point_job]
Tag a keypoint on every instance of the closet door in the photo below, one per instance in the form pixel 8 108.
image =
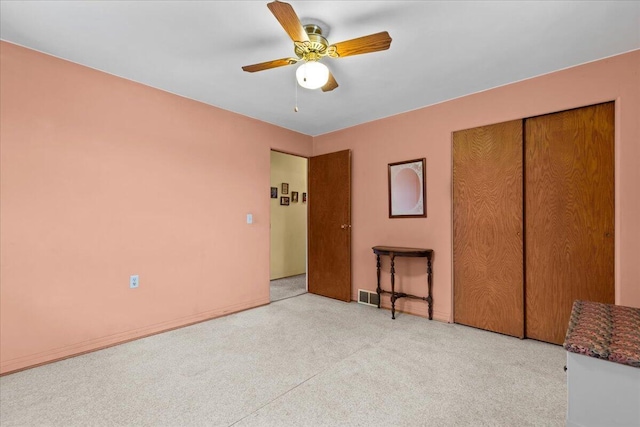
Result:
pixel 487 228
pixel 569 186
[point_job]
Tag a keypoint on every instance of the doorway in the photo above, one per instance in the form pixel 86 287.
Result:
pixel 288 263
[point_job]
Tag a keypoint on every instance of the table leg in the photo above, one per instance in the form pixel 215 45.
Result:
pixel 378 289
pixel 393 286
pixel 429 285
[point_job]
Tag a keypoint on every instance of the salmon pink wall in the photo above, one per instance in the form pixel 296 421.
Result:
pixel 102 178
pixel 427 133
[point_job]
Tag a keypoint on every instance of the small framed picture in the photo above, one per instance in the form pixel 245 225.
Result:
pixel 294 197
pixel 274 192
pixel 407 189
pixel 284 201
pixel 304 197
pixel 285 188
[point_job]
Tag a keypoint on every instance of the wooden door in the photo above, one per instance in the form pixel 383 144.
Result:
pixel 487 228
pixel 569 216
pixel 330 225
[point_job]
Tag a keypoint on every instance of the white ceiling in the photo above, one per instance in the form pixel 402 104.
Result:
pixel 440 50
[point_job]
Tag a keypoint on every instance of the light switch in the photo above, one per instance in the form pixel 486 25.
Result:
pixel 249 219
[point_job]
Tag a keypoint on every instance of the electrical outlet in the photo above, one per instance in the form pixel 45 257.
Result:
pixel 249 219
pixel 134 281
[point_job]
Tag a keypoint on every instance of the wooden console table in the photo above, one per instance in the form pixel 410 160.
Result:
pixel 392 253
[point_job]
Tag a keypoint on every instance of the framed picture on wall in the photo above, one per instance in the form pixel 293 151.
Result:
pixel 274 192
pixel 407 189
pixel 304 197
pixel 284 201
pixel 285 188
pixel 294 197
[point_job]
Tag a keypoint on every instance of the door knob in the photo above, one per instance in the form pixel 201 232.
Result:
pixel 345 226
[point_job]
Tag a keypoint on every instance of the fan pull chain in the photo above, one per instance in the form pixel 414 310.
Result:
pixel 296 106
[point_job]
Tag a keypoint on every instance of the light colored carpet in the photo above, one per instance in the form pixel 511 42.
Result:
pixel 304 361
pixel 288 287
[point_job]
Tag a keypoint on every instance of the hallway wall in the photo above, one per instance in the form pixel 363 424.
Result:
pixel 288 223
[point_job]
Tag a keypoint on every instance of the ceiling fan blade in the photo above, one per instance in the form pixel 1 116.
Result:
pixel 269 64
pixel 287 17
pixel 366 44
pixel 331 84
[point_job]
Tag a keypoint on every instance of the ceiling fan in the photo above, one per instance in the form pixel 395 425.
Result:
pixel 310 46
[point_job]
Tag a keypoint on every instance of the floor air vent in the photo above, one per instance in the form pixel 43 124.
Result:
pixel 368 297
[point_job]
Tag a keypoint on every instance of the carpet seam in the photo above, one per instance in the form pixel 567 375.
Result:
pixel 297 385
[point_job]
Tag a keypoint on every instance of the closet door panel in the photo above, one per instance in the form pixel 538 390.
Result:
pixel 487 228
pixel 569 190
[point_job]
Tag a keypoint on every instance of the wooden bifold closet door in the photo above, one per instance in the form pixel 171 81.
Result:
pixel 569 225
pixel 552 183
pixel 487 228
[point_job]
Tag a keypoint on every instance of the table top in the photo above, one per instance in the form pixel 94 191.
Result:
pixel 399 251
pixel 605 331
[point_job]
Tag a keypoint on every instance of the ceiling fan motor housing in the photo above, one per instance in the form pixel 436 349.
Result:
pixel 316 48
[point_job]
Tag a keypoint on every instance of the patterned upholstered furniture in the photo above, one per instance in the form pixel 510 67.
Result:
pixel 603 365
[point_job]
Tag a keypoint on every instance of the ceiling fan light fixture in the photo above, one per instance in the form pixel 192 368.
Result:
pixel 312 75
